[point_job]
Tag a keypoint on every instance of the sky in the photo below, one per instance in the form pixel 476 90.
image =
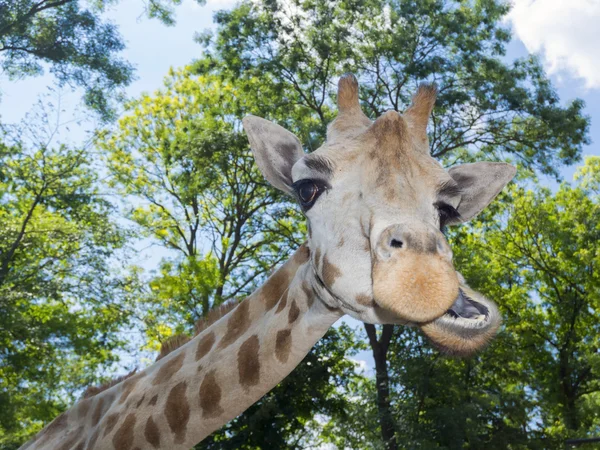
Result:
pixel 564 34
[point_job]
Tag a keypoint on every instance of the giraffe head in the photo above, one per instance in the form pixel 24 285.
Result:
pixel 376 202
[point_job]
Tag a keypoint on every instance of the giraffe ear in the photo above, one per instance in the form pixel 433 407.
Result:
pixel 480 183
pixel 275 149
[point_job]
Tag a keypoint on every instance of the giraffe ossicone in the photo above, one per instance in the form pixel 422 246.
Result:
pixel 375 202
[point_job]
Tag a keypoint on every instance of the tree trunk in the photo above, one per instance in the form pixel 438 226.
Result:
pixel 380 349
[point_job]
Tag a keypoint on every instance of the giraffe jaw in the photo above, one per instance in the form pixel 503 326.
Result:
pixel 468 325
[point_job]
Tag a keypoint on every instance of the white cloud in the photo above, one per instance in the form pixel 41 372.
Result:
pixel 565 32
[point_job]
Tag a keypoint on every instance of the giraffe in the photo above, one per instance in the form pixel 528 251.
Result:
pixel 375 203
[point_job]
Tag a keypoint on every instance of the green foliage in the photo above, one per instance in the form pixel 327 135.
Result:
pixel 538 382
pixel 183 158
pixel 486 108
pixel 62 303
pixel 541 260
pixel 80 47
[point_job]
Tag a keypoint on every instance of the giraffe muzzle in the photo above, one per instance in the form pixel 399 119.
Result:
pixel 413 275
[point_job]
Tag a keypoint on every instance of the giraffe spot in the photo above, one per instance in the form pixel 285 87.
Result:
pixel 283 345
pixel 56 424
pixel 310 296
pixel 177 411
pixel 210 396
pixel 282 302
pixel 237 324
pixel 205 345
pixel 84 407
pixel 274 288
pixel 341 242
pixel 168 369
pixel 128 386
pixel 294 312
pixel 98 412
pixel 302 254
pixel 111 421
pixel 152 433
pixel 153 400
pixel 363 299
pixel 123 438
pixel 317 259
pixel 70 439
pixel 79 446
pixel 330 272
pixel 140 401
pixel 92 442
pixel 367 246
pixel 248 362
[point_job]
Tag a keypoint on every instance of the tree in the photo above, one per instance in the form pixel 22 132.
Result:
pixel 538 382
pixel 183 161
pixel 486 108
pixel 72 38
pixel 543 256
pixel 62 303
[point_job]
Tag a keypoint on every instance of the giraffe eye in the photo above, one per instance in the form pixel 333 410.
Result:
pixel 308 191
pixel 447 213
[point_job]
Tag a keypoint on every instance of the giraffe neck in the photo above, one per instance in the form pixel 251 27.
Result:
pixel 196 389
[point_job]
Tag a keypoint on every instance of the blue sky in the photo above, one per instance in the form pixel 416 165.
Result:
pixel 564 34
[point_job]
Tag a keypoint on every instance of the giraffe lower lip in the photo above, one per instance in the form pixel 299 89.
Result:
pixel 467 308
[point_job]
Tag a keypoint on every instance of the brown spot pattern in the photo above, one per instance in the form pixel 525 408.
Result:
pixel 123 438
pixel 274 288
pixel 92 442
pixel 128 386
pixel 140 401
pixel 84 407
pixel 283 345
pixel 294 312
pixel 205 345
pixel 177 411
pixel 210 396
pixel 317 259
pixel 152 433
pixel 248 362
pixel 302 254
pixel 282 302
pixel 310 296
pixel 111 421
pixel 237 324
pixel 98 412
pixel 330 272
pixel 168 369
pixel 70 441
pixel 153 400
pixel 59 422
pixel 363 299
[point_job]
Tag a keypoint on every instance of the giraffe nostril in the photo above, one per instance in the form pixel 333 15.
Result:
pixel 396 243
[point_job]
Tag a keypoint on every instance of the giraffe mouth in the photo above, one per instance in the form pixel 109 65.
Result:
pixel 466 307
pixel 467 326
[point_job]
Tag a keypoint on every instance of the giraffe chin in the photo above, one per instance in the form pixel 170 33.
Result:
pixel 468 325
